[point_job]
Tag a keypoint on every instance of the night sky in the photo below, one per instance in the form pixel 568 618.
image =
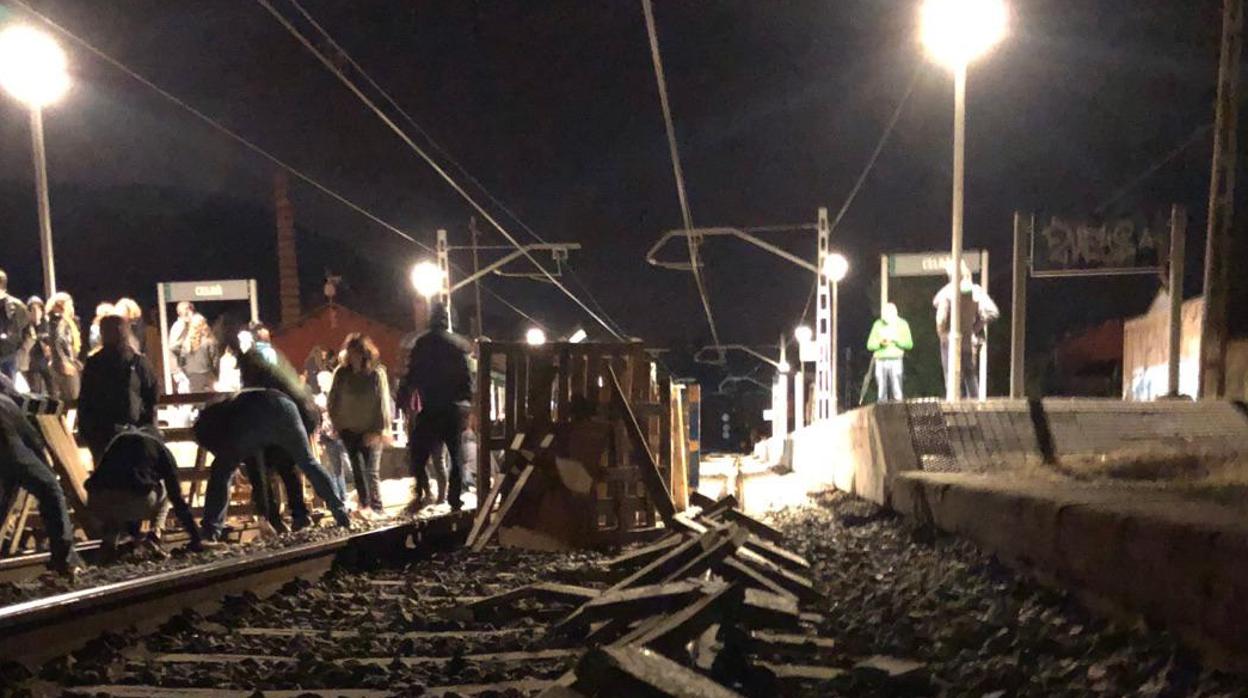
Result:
pixel 553 106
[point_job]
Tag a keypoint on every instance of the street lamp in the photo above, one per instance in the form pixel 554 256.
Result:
pixel 956 32
pixel 536 336
pixel 33 71
pixel 835 267
pixel 427 279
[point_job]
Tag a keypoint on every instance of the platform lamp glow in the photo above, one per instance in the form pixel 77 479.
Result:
pixel 955 33
pixel 535 336
pixel 427 281
pixel 33 71
pixel 835 267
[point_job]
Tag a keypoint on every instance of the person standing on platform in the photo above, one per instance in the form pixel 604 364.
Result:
pixel 14 328
pixel 439 380
pixel 889 341
pixel 35 361
pixel 359 407
pixel 23 464
pixel 977 311
pixel 118 388
pixel 198 356
pixel 66 341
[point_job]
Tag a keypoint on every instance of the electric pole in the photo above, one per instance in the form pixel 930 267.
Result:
pixel 1215 316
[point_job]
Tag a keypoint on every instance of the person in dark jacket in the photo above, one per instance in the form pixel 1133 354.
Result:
pixel 22 464
pixel 118 388
pixel 438 378
pixel 249 424
pixel 66 342
pixel 35 361
pixel 136 480
pixel 258 370
pixel 14 324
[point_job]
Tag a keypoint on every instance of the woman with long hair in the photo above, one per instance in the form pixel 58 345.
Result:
pixel 66 341
pixel 198 356
pixel 130 310
pixel 359 407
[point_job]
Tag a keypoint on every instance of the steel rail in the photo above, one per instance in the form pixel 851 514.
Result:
pixel 35 631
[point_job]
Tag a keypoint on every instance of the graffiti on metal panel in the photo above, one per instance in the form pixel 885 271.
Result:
pixel 1120 245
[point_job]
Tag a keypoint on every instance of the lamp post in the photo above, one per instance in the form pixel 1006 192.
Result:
pixel 956 32
pixel 33 71
pixel 835 267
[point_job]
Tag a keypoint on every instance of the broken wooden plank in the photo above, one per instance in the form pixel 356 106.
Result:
pixel 410 635
pixel 670 633
pixel 636 672
pixel 669 562
pixel 505 509
pixel 523 685
pixel 500 657
pixel 791 561
pixel 724 545
pixel 765 643
pixel 546 591
pixel 626 605
pixel 795 584
pixel 484 509
pixel 761 609
pixel 711 509
pixel 649 467
pixel 647 554
pixel 733 569
pixel 754 526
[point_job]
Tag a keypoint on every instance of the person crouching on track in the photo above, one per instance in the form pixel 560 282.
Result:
pixel 136 480
pixel 22 465
pixel 243 426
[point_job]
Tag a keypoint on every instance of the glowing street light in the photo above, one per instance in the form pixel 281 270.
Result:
pixel 33 69
pixel 955 33
pixel 580 335
pixel 835 267
pixel 427 279
pixel 803 334
pixel 536 336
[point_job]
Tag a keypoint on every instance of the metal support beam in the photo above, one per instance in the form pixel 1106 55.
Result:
pixel 500 262
pixel 444 266
pixel 1018 307
pixel 824 408
pixel 652 254
pixel 1178 233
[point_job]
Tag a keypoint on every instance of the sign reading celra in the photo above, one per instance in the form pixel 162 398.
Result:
pixel 929 263
pixel 229 290
pixel 1066 247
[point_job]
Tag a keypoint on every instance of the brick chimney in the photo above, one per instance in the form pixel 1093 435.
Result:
pixel 287 259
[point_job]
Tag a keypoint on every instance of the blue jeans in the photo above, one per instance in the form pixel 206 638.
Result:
pixel 335 462
pixel 21 467
pixel 251 422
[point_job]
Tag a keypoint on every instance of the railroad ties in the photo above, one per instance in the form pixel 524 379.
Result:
pixel 715 608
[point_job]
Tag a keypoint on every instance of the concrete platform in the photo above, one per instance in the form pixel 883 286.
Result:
pixel 1173 556
pixel 1140 507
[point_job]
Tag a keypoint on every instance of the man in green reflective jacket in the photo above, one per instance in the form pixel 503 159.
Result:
pixel 889 341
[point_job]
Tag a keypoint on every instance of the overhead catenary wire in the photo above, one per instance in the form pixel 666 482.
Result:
pixel 1152 169
pixel 241 140
pixel 435 145
pixel 403 135
pixel 681 193
pixel 862 176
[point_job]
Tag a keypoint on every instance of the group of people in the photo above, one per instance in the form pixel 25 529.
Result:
pixel 42 346
pixel 890 337
pixel 269 423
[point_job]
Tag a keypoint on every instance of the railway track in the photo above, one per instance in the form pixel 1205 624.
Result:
pixel 35 631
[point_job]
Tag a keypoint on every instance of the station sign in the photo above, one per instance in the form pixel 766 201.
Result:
pixel 226 290
pixel 930 263
pixel 1066 247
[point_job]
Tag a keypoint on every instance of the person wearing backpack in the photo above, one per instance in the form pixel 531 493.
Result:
pixel 14 328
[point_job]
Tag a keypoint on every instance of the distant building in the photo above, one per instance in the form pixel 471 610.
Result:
pixel 1089 363
pixel 1145 353
pixel 328 326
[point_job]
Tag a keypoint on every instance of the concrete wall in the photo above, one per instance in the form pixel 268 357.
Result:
pixel 857 451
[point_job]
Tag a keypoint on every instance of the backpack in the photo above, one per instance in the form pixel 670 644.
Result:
pixel 14 324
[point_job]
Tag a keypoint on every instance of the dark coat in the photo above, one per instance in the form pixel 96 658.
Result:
pixel 437 370
pixel 118 390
